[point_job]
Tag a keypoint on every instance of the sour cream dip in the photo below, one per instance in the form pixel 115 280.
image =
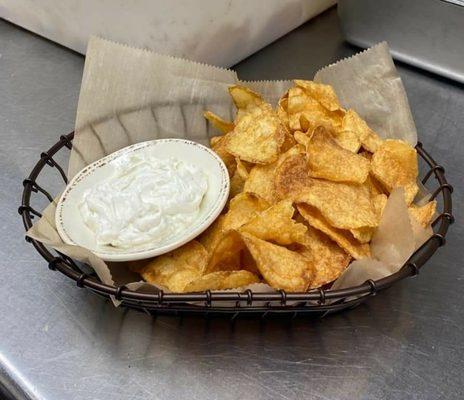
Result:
pixel 146 201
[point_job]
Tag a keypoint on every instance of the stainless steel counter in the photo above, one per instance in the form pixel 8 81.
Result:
pixel 61 342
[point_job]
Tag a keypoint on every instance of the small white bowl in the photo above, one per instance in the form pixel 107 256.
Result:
pixel 73 230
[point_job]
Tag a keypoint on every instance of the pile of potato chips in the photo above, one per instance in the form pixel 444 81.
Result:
pixel 309 181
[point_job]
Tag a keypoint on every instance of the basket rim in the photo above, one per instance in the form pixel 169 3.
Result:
pixel 176 301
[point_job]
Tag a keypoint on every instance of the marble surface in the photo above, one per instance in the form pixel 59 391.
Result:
pixel 218 32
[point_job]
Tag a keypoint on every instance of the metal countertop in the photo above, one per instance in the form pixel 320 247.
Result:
pixel 61 342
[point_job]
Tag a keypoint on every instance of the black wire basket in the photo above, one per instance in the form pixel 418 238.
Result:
pixel 316 302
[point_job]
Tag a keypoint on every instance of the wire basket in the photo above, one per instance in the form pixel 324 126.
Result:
pixel 317 302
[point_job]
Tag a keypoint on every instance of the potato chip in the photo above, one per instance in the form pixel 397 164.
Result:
pixel 328 160
pixel 305 113
pixel 354 123
pixel 375 188
pixel 219 123
pixel 214 141
pixel 288 143
pixel 226 254
pixel 276 225
pixel 423 214
pixel 343 205
pixel 218 146
pixel 174 270
pixel 342 237
pixel 222 280
pixel 210 238
pixel 348 140
pixel 280 267
pixel 257 136
pixel 242 208
pixel 237 182
pixel 282 110
pixel 261 182
pixel 328 258
pixel 364 235
pixel 292 175
pixel 394 164
pixel 324 94
pixel 244 97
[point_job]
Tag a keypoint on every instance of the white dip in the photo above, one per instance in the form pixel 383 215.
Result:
pixel 145 201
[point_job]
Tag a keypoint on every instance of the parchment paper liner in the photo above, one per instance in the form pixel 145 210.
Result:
pixel 130 95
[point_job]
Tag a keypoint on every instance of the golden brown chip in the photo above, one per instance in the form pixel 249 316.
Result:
pixel 424 214
pixel 237 182
pixel 219 123
pixel 218 146
pixel 364 235
pixel 354 123
pixel 328 160
pixel 211 237
pixel 244 97
pixel 261 182
pixel 292 175
pixel 257 136
pixel 342 237
pixel 394 164
pixel 276 225
pixel 348 140
pixel 306 113
pixel 280 267
pixel 282 110
pixel 343 205
pixel 222 280
pixel 174 270
pixel 214 141
pixel 226 254
pixel 375 188
pixel 328 258
pixel 289 142
pixel 324 94
pixel 242 208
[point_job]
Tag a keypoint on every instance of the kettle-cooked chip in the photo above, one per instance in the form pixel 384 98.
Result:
pixel 261 182
pixel 352 122
pixel 237 182
pixel 324 94
pixel 364 235
pixel 343 205
pixel 176 269
pixel 282 110
pixel 328 258
pixel 328 160
pixel 342 237
pixel 257 136
pixel 280 267
pixel 276 225
pixel 242 208
pixel 222 280
pixel 244 97
pixel 219 123
pixel 218 146
pixel 423 214
pixel 394 164
pixel 226 254
pixel 348 140
pixel 210 238
pixel 292 175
